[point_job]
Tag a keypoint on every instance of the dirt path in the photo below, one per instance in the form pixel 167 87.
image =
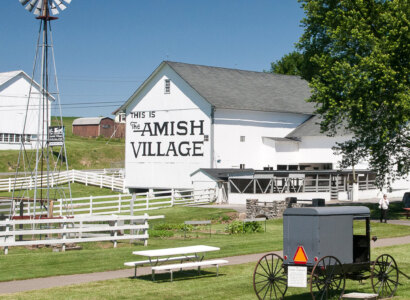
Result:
pixel 57 281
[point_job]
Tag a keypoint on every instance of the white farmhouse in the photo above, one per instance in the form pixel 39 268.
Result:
pixel 19 113
pixel 186 117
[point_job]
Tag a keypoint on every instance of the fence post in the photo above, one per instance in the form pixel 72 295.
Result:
pixel 112 183
pixel 146 229
pixel 132 231
pixel 115 233
pixel 6 248
pixel 86 178
pixel 172 197
pixel 73 175
pixel 101 180
pixel 9 184
pixel 119 203
pixel 91 205
pixel 147 201
pixel 64 235
pixel 60 201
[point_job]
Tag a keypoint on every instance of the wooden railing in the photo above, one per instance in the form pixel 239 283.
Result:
pixel 78 229
pixel 130 203
pixel 114 180
pixel 111 204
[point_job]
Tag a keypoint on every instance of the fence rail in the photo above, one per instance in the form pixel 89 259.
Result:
pixel 112 179
pixel 127 203
pixel 112 204
pixel 76 229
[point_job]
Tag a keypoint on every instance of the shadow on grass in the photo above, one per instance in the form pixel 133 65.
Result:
pixel 178 276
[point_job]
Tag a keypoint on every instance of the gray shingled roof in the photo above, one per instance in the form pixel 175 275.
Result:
pixel 238 89
pixel 311 127
pixel 88 121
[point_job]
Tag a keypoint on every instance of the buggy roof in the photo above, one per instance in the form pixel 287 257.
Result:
pixel 328 211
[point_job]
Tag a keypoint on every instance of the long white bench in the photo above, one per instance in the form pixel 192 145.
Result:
pixel 199 264
pixel 135 264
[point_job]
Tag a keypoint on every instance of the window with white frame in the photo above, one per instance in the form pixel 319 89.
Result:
pixel 12 138
pixel 167 87
pixel 242 138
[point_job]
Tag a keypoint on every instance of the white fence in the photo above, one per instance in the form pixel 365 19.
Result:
pixel 112 204
pixel 112 180
pixel 128 203
pixel 77 229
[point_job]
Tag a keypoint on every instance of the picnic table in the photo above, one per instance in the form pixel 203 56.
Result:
pixel 197 251
pixel 195 254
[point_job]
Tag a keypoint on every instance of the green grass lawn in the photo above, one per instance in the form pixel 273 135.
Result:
pixel 79 190
pixel 83 153
pixel 23 263
pixel 234 282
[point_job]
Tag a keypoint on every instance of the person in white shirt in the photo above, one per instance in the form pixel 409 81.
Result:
pixel 384 207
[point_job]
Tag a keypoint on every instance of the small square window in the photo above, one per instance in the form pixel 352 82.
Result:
pixel 242 138
pixel 206 138
pixel 167 89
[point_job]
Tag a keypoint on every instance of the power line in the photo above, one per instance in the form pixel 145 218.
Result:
pixel 64 104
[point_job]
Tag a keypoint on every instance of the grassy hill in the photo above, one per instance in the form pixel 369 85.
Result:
pixel 83 153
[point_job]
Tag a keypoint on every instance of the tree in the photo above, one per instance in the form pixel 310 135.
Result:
pixel 290 64
pixel 362 51
pixel 294 63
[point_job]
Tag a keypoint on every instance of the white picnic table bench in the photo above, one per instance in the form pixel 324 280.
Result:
pixel 194 254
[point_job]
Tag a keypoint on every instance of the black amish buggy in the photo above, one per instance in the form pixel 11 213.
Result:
pixel 320 241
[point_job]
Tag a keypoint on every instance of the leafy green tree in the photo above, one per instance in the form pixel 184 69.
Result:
pixel 295 63
pixel 362 51
pixel 290 64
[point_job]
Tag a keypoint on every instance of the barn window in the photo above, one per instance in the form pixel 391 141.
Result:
pixel 167 89
pixel 206 138
pixel 106 126
pixel 122 118
pixel 1 137
pixel 242 138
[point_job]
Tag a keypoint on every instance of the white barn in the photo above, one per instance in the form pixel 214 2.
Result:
pixel 14 105
pixel 188 117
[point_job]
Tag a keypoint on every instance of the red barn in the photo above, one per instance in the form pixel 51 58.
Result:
pixel 93 127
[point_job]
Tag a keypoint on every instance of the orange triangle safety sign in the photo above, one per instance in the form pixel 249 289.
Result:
pixel 300 256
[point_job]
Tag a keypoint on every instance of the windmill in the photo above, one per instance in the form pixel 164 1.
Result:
pixel 44 164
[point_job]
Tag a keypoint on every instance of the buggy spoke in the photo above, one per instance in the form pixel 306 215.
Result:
pixel 272 284
pixel 262 274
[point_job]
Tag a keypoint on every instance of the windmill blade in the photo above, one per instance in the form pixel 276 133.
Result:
pixel 39 8
pixel 31 5
pixel 59 4
pixel 54 9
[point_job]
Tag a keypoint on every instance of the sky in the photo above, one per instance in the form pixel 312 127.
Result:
pixel 105 49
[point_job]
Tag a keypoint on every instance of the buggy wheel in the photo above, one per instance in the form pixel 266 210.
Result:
pixel 328 279
pixel 385 276
pixel 269 277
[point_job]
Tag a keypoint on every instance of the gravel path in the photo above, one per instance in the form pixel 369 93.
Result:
pixel 58 281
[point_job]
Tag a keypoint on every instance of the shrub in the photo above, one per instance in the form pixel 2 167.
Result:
pixel 238 227
pixel 169 226
pixel 160 233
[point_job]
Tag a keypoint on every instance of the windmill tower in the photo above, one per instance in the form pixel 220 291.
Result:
pixel 46 166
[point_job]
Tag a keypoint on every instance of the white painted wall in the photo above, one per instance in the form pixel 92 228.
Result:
pixel 257 151
pixel 13 102
pixel 151 105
